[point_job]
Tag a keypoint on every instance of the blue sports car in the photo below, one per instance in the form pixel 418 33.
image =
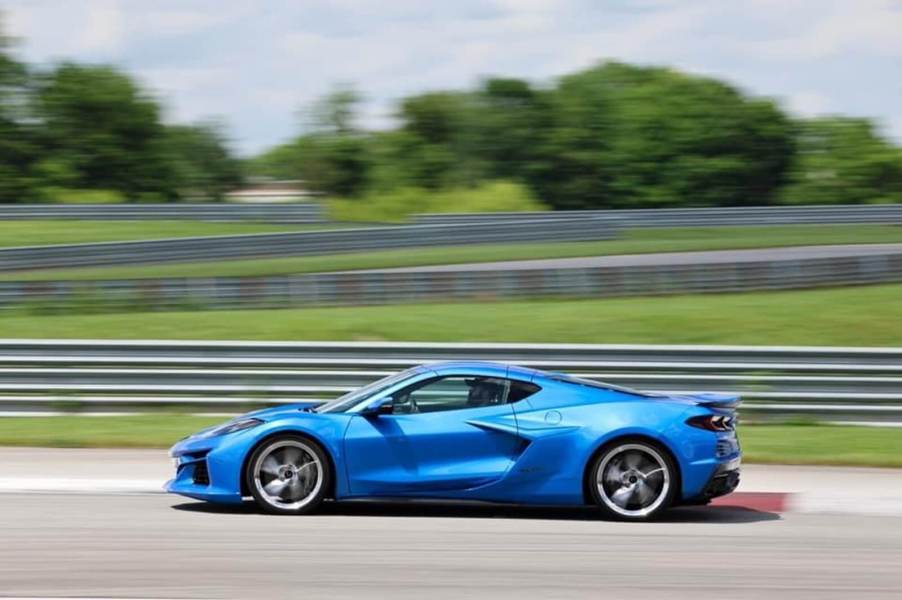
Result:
pixel 472 431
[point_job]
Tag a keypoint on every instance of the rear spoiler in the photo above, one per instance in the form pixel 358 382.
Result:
pixel 716 400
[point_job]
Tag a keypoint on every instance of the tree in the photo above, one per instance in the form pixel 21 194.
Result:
pixel 613 136
pixel 279 162
pixel 201 162
pixel 842 161
pixel 336 113
pixel 333 164
pixel 332 154
pixel 513 122
pixel 440 144
pixel 18 150
pixel 625 136
pixel 106 129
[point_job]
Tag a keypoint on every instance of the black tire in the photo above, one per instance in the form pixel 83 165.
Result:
pixel 299 492
pixel 633 480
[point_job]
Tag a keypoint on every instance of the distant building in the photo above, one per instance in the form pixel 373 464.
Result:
pixel 267 190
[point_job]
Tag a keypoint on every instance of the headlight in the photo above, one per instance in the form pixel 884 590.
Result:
pixel 233 426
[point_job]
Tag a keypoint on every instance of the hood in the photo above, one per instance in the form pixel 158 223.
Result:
pixel 278 411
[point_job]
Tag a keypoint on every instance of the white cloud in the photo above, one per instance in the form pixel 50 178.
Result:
pixel 102 27
pixel 830 28
pixel 808 103
pixel 60 30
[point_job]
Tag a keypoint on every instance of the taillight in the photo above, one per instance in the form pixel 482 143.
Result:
pixel 713 422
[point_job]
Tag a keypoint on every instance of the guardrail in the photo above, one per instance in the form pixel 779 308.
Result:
pixel 835 384
pixel 392 287
pixel 699 217
pixel 311 212
pixel 304 212
pixel 303 243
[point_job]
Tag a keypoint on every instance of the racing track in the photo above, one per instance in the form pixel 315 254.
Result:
pixel 152 545
pixel 157 546
pixel 712 257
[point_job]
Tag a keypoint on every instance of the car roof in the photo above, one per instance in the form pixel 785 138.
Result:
pixel 480 367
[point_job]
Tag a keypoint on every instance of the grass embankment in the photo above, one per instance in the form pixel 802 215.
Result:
pixel 41 232
pixel 400 203
pixel 788 444
pixel 854 316
pixel 633 241
pixel 822 445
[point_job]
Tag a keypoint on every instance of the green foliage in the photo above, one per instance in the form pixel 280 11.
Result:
pixel 18 147
pixel 200 161
pixel 46 193
pixel 331 157
pixel 512 129
pixel 333 164
pixel 844 160
pixel 624 136
pixel 106 129
pixel 336 112
pixel 333 154
pixel 282 162
pixel 90 132
pixel 438 148
pixel 400 203
pixel 614 136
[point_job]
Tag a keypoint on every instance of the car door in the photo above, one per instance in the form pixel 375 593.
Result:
pixel 443 436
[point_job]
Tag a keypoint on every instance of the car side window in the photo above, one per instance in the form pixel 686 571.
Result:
pixel 454 392
pixel 520 390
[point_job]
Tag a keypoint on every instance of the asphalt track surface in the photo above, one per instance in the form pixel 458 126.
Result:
pixel 151 545
pixel 156 546
pixel 664 258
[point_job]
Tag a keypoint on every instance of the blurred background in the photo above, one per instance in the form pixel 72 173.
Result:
pixel 541 172
pixel 536 172
pixel 207 207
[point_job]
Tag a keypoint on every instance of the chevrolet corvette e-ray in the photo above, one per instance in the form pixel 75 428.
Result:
pixel 472 431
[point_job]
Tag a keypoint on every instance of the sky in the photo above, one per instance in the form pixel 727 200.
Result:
pixel 255 64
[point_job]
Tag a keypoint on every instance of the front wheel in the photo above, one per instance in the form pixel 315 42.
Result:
pixel 633 481
pixel 288 474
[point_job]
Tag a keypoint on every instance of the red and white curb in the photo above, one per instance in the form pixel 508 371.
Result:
pixel 777 502
pixel 814 503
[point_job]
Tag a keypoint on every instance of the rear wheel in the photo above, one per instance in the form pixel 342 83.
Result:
pixel 288 474
pixel 633 481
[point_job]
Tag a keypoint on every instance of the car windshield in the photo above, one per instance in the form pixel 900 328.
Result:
pixel 352 399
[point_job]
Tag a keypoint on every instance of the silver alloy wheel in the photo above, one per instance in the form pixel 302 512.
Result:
pixel 288 474
pixel 633 480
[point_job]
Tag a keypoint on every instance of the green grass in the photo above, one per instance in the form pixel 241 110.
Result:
pixel 854 316
pixel 822 445
pixel 138 431
pixel 398 204
pixel 46 232
pixel 796 444
pixel 632 242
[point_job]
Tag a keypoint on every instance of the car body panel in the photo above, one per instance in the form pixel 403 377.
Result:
pixel 446 451
pixel 533 451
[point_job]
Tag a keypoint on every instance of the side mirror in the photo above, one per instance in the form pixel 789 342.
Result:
pixel 382 406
